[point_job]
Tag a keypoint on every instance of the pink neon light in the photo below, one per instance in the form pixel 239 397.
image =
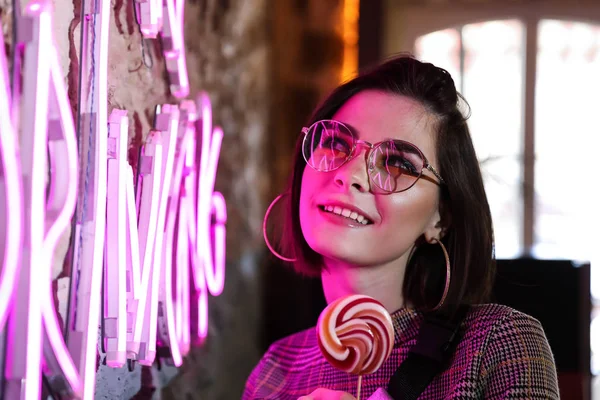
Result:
pixel 140 281
pixel 91 228
pixel 167 272
pixel 115 317
pixel 183 289
pixel 26 338
pixel 44 220
pixel 187 183
pixel 211 146
pixel 59 212
pixel 196 205
pixel 150 198
pixel 175 315
pixel 150 17
pixel 143 259
pixel 141 344
pixel 174 48
pixel 167 121
pixel 220 211
pixel 189 223
pixel 152 22
pixel 11 211
pixel 88 364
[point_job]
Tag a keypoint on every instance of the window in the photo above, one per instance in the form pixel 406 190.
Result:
pixel 487 60
pixel 546 207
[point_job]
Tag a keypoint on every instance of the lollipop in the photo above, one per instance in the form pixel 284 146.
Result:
pixel 356 335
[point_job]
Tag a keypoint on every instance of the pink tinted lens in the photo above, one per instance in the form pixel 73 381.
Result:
pixel 327 145
pixel 395 165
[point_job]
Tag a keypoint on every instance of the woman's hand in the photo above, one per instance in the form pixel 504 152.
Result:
pixel 326 394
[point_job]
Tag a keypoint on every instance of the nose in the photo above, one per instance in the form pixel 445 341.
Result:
pixel 353 174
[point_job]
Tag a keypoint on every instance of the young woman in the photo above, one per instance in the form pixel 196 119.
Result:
pixel 387 200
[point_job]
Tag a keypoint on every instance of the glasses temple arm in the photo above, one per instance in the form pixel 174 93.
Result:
pixel 434 171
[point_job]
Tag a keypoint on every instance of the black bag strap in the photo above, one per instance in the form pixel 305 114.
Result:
pixel 436 342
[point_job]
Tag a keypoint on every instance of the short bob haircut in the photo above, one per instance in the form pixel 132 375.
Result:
pixel 465 212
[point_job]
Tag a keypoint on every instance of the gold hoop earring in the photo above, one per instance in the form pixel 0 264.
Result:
pixel 448 276
pixel 271 249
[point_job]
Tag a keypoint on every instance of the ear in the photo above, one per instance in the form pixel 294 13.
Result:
pixel 438 225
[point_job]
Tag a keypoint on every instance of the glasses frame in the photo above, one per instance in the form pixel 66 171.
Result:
pixel 370 162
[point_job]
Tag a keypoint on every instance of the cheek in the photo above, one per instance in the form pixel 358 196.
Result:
pixel 408 212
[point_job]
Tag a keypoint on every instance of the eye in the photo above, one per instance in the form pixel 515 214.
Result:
pixel 397 164
pixel 401 162
pixel 336 143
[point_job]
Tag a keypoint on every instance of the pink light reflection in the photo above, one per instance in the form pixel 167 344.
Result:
pixel 11 195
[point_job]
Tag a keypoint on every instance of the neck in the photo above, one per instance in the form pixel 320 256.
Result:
pixel 383 283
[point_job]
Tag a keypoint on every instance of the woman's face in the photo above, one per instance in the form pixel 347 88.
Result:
pixel 397 220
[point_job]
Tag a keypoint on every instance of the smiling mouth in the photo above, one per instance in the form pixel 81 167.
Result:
pixel 344 212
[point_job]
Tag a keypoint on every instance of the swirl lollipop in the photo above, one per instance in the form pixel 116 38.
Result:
pixel 356 335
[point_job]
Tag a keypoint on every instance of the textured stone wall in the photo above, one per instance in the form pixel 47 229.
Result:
pixel 227 56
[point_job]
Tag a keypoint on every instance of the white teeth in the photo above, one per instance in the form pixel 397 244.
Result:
pixel 347 213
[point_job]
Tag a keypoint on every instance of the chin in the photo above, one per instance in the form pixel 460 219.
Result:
pixel 359 254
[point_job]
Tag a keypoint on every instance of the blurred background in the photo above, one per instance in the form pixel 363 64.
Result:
pixel 530 70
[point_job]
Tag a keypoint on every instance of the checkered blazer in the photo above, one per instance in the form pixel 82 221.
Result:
pixel 503 354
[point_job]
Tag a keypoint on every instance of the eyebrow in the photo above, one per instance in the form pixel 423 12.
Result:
pixel 356 133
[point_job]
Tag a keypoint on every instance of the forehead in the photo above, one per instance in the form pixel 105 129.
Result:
pixel 377 116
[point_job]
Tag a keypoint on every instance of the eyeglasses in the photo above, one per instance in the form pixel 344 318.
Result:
pixel 392 165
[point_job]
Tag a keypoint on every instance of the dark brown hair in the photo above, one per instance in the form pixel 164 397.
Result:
pixel 463 203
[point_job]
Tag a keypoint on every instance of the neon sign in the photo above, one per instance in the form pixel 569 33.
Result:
pixel 146 235
pixel 88 233
pixel 47 129
pixel 152 23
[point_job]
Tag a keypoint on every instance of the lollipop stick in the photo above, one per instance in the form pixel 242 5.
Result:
pixel 358 388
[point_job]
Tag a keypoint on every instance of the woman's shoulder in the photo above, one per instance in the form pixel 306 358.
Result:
pixel 490 323
pixel 491 317
pixel 513 355
pixel 506 335
pixel 286 357
pixel 302 344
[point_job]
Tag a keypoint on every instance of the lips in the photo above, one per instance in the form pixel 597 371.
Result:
pixel 348 211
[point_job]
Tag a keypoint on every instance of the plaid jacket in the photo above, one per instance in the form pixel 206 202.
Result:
pixel 503 354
